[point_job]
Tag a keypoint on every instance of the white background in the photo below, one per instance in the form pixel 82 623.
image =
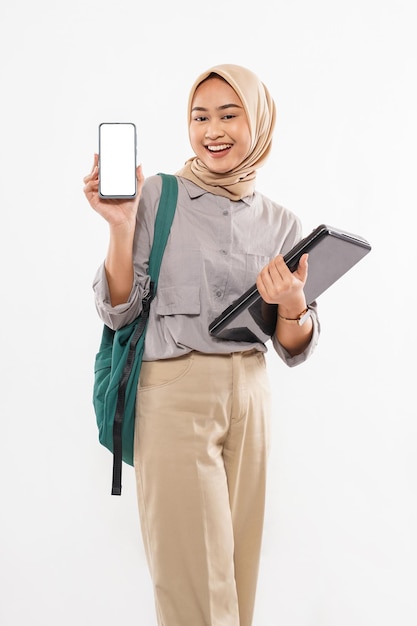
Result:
pixel 340 545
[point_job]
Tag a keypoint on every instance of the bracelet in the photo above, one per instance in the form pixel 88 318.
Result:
pixel 300 319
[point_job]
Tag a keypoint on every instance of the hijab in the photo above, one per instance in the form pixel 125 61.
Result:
pixel 260 111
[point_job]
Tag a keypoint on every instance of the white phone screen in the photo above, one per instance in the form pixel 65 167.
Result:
pixel 117 160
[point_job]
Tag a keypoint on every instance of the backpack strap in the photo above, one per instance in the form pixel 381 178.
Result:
pixel 163 221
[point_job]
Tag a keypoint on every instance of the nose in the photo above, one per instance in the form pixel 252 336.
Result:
pixel 214 129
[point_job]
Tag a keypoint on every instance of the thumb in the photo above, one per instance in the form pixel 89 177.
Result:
pixel 302 269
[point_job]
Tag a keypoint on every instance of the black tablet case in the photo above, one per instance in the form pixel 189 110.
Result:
pixel 332 252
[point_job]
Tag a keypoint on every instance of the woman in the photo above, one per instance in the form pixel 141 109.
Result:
pixel 203 409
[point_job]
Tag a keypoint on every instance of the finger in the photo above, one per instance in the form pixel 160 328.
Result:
pixel 280 274
pixel 261 285
pixel 95 163
pixel 302 269
pixel 92 175
pixel 276 269
pixel 139 174
pixel 267 283
pixel 91 187
pixel 284 270
pixel 266 277
pixel 264 286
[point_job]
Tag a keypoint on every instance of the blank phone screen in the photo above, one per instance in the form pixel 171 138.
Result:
pixel 117 160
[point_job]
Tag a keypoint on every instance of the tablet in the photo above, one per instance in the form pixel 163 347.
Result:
pixel 332 252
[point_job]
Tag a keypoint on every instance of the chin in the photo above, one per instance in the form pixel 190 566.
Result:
pixel 217 168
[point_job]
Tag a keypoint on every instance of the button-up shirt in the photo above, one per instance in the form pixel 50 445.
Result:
pixel 214 253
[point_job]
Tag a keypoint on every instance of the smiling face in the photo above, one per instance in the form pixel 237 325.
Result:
pixel 219 129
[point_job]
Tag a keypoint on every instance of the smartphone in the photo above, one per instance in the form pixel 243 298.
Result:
pixel 117 160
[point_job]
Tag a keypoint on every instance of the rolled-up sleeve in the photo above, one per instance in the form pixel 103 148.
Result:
pixel 292 239
pixel 292 361
pixel 117 316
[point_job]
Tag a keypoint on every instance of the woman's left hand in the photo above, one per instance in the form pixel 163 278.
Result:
pixel 278 285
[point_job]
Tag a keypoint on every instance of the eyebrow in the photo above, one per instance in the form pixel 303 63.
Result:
pixel 220 108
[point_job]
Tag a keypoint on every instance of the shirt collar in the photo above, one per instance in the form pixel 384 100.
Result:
pixel 194 191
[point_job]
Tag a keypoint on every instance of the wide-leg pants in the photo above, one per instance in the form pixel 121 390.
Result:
pixel 201 444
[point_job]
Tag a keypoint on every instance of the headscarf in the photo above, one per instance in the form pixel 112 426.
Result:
pixel 261 113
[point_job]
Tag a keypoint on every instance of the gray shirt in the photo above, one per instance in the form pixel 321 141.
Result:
pixel 214 253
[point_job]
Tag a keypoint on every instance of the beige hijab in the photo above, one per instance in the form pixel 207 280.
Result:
pixel 261 113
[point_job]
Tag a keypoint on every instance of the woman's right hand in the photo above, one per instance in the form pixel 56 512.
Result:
pixel 117 212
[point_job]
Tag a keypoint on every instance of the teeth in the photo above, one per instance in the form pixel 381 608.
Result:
pixel 224 146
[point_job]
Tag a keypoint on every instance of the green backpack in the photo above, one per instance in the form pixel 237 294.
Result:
pixel 119 359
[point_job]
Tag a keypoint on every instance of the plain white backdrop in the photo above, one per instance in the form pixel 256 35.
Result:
pixel 340 546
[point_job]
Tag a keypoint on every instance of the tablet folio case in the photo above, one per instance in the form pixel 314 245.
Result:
pixel 332 252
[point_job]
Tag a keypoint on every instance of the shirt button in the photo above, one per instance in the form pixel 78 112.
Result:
pixel 223 251
pixel 225 212
pixel 218 293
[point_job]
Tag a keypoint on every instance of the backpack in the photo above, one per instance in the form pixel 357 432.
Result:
pixel 119 358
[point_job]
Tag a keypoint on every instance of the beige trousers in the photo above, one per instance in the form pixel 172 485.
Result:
pixel 201 445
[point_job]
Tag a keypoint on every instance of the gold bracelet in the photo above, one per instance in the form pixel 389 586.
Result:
pixel 300 319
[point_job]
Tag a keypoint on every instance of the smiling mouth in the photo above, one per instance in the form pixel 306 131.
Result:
pixel 219 148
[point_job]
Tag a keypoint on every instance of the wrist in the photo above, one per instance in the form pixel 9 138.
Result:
pixel 292 310
pixel 298 319
pixel 122 231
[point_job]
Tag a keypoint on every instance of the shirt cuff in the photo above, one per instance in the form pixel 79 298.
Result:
pixel 116 316
pixel 292 361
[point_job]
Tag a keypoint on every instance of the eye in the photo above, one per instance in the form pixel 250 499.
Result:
pixel 229 116
pixel 200 118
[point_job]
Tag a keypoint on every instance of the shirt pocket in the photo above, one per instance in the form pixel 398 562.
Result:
pixel 181 267
pixel 181 300
pixel 178 291
pixel 255 262
pixel 246 267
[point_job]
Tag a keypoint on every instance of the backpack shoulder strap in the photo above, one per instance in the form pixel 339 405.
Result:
pixel 163 221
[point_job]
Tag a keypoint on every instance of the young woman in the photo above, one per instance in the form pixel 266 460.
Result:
pixel 203 404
